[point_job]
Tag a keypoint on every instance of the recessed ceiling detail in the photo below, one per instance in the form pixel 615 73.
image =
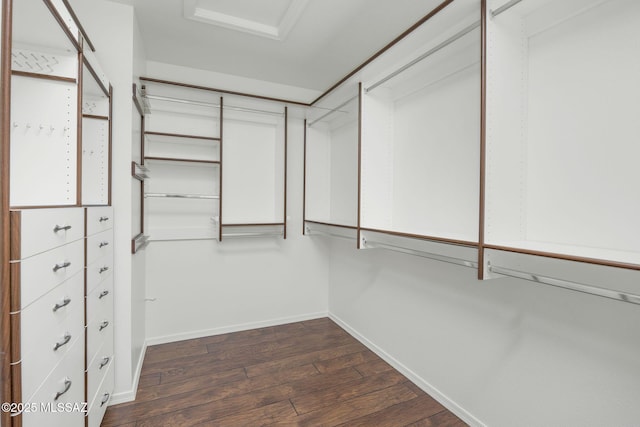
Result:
pixel 283 16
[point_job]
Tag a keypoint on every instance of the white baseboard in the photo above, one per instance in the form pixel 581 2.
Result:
pixel 415 378
pixel 233 328
pixel 130 395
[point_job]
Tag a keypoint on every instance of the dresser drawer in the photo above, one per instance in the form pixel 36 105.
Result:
pixel 38 230
pixel 98 271
pixel 39 274
pixel 99 332
pixel 99 219
pixel 69 376
pixel 98 369
pixel 99 404
pixel 47 322
pixel 100 301
pixel 99 245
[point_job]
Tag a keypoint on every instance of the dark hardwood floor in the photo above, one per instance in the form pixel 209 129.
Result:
pixel 309 373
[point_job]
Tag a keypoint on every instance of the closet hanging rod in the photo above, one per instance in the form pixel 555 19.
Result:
pixel 311 232
pixel 424 254
pixel 334 110
pixel 253 234
pixel 210 105
pixel 182 196
pixel 560 283
pixel 508 5
pixel 428 53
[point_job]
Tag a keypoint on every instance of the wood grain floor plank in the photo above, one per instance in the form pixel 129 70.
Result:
pixel 400 414
pixel 310 373
pixel 302 359
pixel 281 412
pixel 142 409
pixel 304 403
pixel 441 419
pixel 352 359
pixel 374 367
pixel 357 407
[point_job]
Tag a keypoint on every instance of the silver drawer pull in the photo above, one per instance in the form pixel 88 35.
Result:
pixel 65 302
pixel 103 325
pixel 103 219
pixel 61 266
pixel 67 386
pixel 103 269
pixel 105 362
pixel 65 341
pixel 61 228
pixel 103 244
pixel 105 399
pixel 103 294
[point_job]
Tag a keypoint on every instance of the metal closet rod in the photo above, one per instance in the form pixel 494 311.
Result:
pixel 210 104
pixel 181 196
pixel 580 287
pixel 508 5
pixel 253 234
pixel 333 110
pixel 430 52
pixel 424 254
pixel 311 232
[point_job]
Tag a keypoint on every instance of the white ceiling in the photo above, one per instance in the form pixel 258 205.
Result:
pixel 305 43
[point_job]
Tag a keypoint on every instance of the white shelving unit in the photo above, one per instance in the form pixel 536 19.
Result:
pixel 44 112
pixel 420 156
pixel 331 164
pixel 96 149
pixel 562 108
pixel 254 172
pixel 182 146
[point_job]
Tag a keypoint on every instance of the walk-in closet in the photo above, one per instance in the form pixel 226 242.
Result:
pixel 319 213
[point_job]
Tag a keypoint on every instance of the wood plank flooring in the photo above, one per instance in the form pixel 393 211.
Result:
pixel 309 373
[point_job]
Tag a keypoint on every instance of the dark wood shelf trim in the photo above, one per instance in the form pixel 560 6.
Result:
pixel 63 25
pixel 587 260
pixel 80 27
pixel 92 116
pixel 255 224
pixel 483 141
pixel 424 237
pixel 43 76
pixel 384 49
pixel 176 159
pixel 95 76
pixel 180 135
pixel 331 224
pixel 228 92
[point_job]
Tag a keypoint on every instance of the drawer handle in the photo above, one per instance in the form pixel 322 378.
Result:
pixel 65 302
pixel 61 266
pixel 105 399
pixel 65 341
pixel 103 325
pixel 103 244
pixel 61 228
pixel 103 294
pixel 103 269
pixel 105 362
pixel 103 219
pixel 67 386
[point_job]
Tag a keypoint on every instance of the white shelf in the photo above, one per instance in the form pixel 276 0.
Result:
pixel 332 159
pixel 253 175
pixel 421 134
pixel 562 103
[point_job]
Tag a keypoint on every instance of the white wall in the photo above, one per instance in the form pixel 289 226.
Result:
pixel 504 352
pixel 201 288
pixel 110 27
